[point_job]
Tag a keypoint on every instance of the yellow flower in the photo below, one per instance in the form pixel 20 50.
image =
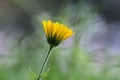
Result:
pixel 56 32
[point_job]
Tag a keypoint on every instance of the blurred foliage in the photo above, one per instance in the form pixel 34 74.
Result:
pixel 72 63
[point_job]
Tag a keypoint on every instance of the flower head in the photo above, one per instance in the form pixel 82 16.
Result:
pixel 56 32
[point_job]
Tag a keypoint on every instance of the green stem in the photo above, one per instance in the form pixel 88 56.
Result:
pixel 44 63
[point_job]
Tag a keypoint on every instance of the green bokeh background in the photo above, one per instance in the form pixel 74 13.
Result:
pixel 67 62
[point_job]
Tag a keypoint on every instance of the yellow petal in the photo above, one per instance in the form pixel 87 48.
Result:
pixel 45 27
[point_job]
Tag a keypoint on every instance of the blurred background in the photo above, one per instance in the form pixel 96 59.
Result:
pixel 93 53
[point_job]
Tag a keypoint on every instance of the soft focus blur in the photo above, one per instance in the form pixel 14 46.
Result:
pixel 93 53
